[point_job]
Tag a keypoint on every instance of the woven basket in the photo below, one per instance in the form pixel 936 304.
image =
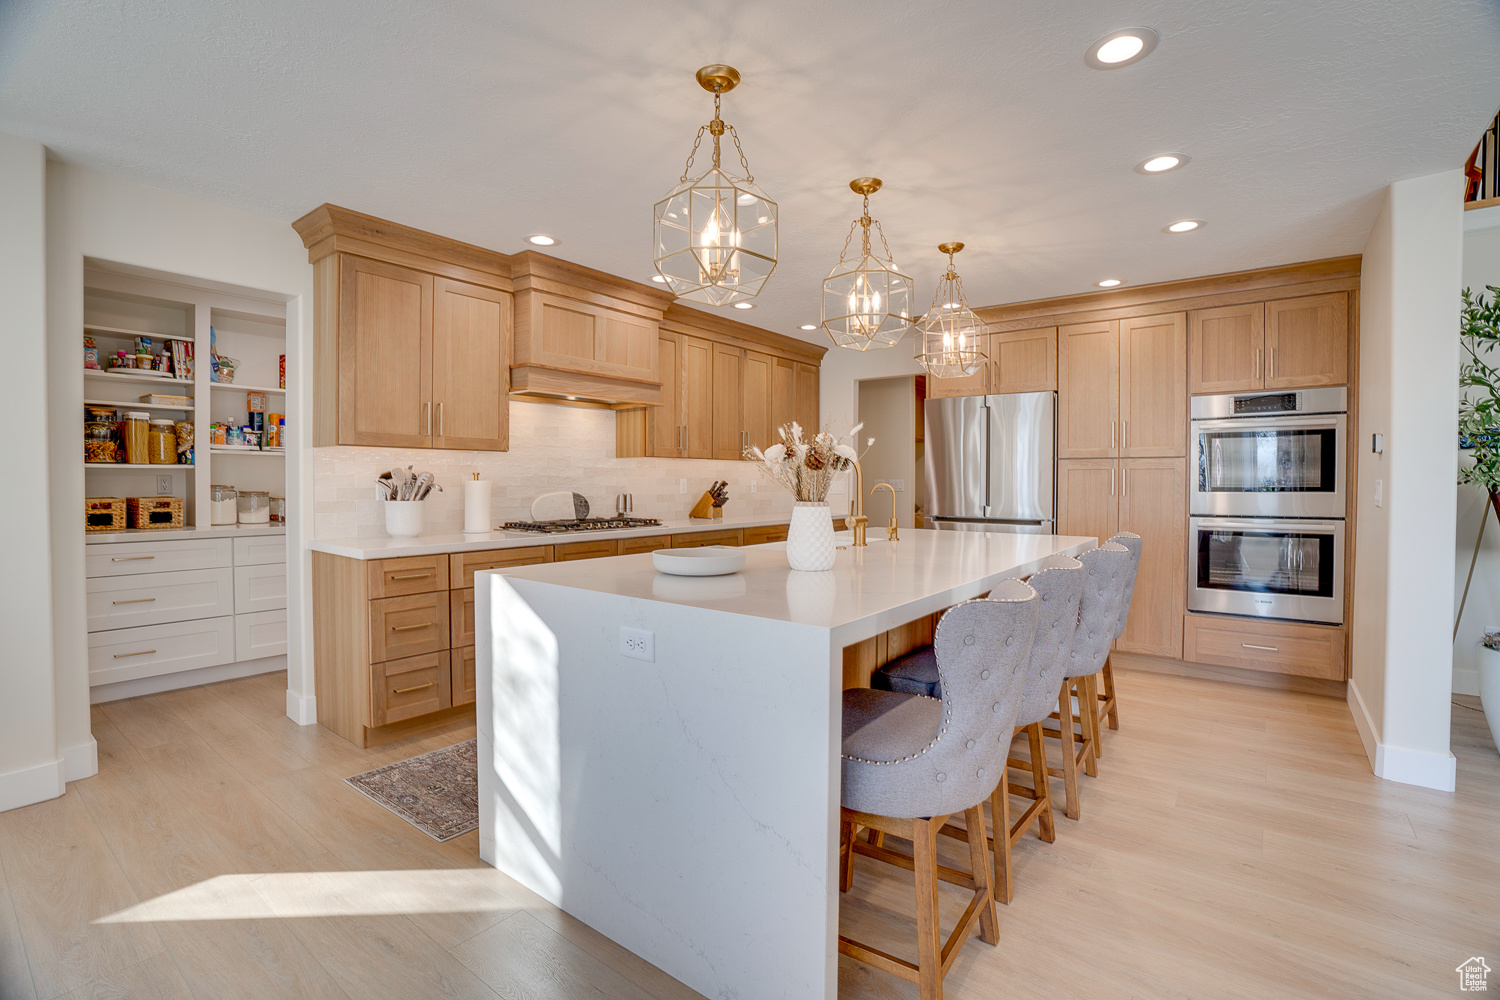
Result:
pixel 103 513
pixel 154 512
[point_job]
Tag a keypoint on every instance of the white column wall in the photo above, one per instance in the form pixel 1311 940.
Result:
pixel 31 769
pixel 1403 616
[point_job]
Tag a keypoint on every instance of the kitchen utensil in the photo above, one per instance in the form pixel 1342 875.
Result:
pixel 708 560
pixel 560 506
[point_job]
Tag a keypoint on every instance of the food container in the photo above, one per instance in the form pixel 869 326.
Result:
pixel 273 430
pixel 255 402
pixel 154 512
pixel 161 442
pixel 103 513
pixel 278 510
pixel 218 434
pixel 283 371
pixel 156 399
pixel 90 354
pixel 185 442
pixel 254 507
pixel 99 442
pixel 233 437
pixel 135 434
pixel 223 502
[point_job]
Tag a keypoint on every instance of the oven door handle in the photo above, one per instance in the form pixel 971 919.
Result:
pixel 1332 420
pixel 1279 525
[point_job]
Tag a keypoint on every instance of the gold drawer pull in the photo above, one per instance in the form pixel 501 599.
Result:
pixel 138 600
pixel 411 576
pixel 129 558
pixel 408 628
pixel 417 688
pixel 144 652
pixel 1251 645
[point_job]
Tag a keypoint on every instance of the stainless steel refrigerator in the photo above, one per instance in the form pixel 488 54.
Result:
pixel 989 463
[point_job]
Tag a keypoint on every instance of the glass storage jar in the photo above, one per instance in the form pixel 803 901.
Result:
pixel 162 442
pixel 278 510
pixel 135 433
pixel 223 502
pixel 254 507
pixel 99 442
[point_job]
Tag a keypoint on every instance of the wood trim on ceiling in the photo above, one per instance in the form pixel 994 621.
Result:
pixel 330 229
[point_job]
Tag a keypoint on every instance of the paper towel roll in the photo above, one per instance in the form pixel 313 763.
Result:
pixel 477 506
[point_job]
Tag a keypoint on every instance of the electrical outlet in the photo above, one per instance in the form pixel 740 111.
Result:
pixel 755 486
pixel 682 486
pixel 163 486
pixel 899 485
pixel 1380 492
pixel 638 643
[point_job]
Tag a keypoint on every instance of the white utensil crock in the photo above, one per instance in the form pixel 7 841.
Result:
pixel 809 539
pixel 403 518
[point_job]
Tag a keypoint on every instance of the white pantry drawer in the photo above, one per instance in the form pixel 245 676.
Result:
pixel 165 556
pixel 258 550
pixel 260 634
pixel 127 654
pixel 156 598
pixel 259 588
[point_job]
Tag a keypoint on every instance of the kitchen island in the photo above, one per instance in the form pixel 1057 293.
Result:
pixel 659 755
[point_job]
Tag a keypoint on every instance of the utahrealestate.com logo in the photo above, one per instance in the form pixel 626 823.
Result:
pixel 1473 975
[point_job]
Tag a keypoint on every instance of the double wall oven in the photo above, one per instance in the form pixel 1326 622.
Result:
pixel 1266 535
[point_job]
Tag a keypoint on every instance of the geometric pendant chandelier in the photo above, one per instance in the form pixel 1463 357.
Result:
pixel 716 233
pixel 952 341
pixel 867 300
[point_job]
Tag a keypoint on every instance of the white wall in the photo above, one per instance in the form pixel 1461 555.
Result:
pixel 887 408
pixel 31 769
pixel 1403 615
pixel 1481 268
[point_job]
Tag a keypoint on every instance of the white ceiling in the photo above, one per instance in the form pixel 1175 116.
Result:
pixel 487 121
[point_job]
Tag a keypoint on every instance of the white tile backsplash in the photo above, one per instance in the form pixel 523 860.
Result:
pixel 551 448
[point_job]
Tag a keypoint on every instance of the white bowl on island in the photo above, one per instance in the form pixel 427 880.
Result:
pixel 707 560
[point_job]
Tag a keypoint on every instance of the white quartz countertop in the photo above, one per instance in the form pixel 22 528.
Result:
pixel 168 534
pixel 869 589
pixel 427 545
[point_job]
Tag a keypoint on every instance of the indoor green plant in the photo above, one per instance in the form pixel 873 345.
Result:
pixel 1479 428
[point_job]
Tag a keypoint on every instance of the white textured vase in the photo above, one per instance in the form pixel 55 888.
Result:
pixel 1489 689
pixel 809 539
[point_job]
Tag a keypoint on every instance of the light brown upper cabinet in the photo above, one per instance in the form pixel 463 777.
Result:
pixel 470 360
pixel 807 410
pixel 1307 341
pixel 974 384
pixel 1023 361
pixel 756 403
pixel 664 422
pixel 783 395
pixel 1122 388
pixel 695 361
pixel 728 400
pixel 1226 348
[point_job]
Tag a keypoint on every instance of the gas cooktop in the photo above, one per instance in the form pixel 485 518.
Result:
pixel 581 524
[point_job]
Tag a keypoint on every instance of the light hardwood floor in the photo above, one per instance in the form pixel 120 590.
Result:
pixel 1235 844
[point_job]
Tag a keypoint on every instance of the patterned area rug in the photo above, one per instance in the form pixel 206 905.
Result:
pixel 438 792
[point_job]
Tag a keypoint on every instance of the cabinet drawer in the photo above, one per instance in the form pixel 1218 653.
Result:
pixel 260 634
pixel 126 558
pixel 461 607
pixel 259 588
pixel 156 598
pixel 412 575
pixel 463 675
pixel 585 550
pixel 129 653
pixel 409 687
pixel 729 536
pixel 463 565
pixel 406 626
pixel 632 546
pixel 769 533
pixel 259 550
pixel 1275 647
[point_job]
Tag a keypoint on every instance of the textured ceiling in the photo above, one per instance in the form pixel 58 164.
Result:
pixel 487 121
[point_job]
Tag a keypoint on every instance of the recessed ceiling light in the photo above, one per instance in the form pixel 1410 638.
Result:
pixel 1109 283
pixel 1161 163
pixel 1185 226
pixel 660 279
pixel 809 326
pixel 1121 48
pixel 744 305
pixel 540 240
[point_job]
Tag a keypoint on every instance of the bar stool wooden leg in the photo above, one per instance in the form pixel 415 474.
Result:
pixel 1004 881
pixel 846 855
pixel 1046 825
pixel 979 856
pixel 1069 770
pixel 929 936
pixel 1088 693
pixel 1111 706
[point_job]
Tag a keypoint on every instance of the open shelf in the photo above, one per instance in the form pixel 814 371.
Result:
pixel 220 450
pixel 241 387
pixel 141 379
pixel 120 331
pixel 179 467
pixel 118 405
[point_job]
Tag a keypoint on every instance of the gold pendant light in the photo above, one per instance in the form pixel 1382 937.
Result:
pixel 716 233
pixel 866 299
pixel 952 344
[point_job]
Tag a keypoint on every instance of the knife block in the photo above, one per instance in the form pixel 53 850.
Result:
pixel 705 508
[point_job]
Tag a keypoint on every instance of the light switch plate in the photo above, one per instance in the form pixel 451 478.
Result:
pixel 899 485
pixel 682 486
pixel 755 486
pixel 1380 492
pixel 638 643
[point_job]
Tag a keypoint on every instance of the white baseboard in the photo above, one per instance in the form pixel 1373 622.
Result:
pixel 303 710
pixel 185 678
pixel 31 785
pixel 1465 680
pixel 81 761
pixel 1393 763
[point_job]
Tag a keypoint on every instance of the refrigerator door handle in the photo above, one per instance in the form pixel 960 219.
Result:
pixel 988 453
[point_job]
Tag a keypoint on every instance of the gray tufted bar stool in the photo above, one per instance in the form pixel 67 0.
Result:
pixel 909 762
pixel 1109 706
pixel 1105 571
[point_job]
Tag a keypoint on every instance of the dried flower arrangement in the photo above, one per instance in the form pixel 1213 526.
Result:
pixel 805 469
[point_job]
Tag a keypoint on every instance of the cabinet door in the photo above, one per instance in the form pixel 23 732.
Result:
pixel 1153 386
pixel 755 400
pixel 1024 361
pixel 728 420
pixel 783 395
pixel 1226 348
pixel 1088 497
pixel 807 409
pixel 1307 341
pixel 385 355
pixel 1153 504
pixel 1088 390
pixel 695 368
pixel 977 384
pixel 471 332
pixel 664 422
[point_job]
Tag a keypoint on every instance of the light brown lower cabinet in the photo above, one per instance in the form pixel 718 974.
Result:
pixel 409 687
pixel 634 546
pixel 762 535
pixel 1293 648
pixel 729 536
pixel 463 676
